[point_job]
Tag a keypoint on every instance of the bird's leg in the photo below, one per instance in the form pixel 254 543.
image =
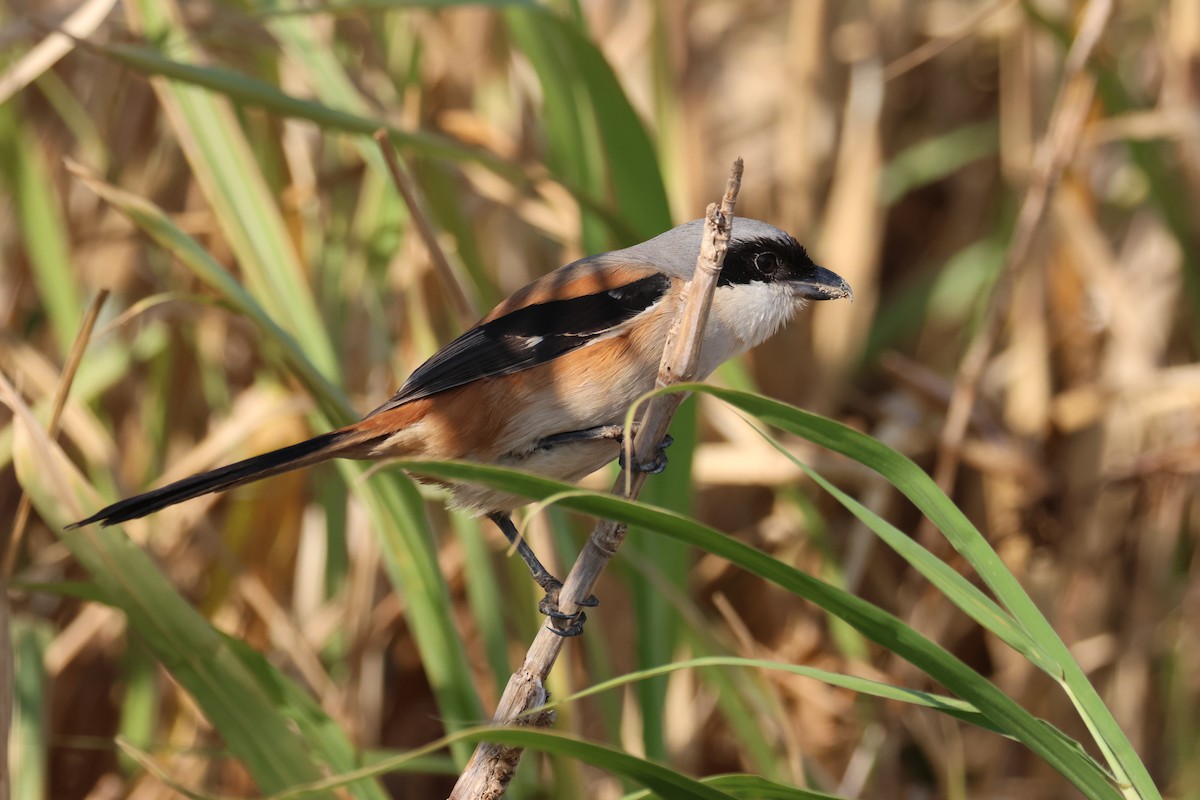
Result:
pixel 614 433
pixel 550 584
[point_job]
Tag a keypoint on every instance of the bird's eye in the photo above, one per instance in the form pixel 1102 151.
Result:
pixel 766 263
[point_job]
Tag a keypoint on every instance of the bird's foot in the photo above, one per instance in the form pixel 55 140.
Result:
pixel 559 622
pixel 615 433
pixel 656 464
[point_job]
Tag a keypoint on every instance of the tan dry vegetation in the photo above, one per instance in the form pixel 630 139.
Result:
pixel 897 138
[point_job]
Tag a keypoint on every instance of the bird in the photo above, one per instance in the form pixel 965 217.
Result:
pixel 543 382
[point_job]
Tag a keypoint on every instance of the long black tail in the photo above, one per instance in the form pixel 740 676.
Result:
pixel 321 448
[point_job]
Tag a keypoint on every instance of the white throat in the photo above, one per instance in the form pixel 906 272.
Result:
pixel 744 316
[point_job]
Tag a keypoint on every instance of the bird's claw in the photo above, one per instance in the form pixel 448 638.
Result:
pixel 656 464
pixel 572 628
pixel 573 622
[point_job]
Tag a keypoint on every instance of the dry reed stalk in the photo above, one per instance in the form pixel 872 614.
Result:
pixel 492 766
pixel 460 302
pixel 1053 154
pixel 935 47
pixel 81 24
pixel 52 428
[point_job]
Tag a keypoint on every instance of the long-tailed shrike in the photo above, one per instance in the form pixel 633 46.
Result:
pixel 543 382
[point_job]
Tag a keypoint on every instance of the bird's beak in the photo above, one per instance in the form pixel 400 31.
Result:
pixel 823 284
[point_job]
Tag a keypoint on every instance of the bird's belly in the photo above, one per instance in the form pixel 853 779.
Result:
pixel 564 462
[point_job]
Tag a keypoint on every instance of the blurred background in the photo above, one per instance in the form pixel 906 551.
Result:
pixel 904 142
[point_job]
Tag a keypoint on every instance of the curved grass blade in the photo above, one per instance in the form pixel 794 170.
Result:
pixel 974 603
pixel 750 786
pixel 201 661
pixel 250 91
pixel 932 159
pixel 873 622
pixel 918 487
pixel 46 240
pixel 884 691
pixel 654 776
pixel 599 138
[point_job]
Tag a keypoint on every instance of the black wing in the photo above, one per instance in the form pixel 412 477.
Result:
pixel 518 340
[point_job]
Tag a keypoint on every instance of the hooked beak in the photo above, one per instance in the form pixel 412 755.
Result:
pixel 822 284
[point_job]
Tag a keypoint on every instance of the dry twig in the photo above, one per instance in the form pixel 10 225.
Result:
pixel 460 302
pixel 492 766
pixel 936 46
pixel 13 545
pixel 1053 154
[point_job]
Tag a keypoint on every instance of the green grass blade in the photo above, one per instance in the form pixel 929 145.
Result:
pixel 750 786
pixel 79 590
pixel 337 751
pixel 938 157
pixel 639 194
pixel 918 487
pixel 141 706
pixel 250 91
pixel 198 658
pixel 46 240
pixel 958 589
pixel 874 623
pixel 659 780
pixel 29 694
pixel 884 691
pixel 654 776
pixel 599 142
